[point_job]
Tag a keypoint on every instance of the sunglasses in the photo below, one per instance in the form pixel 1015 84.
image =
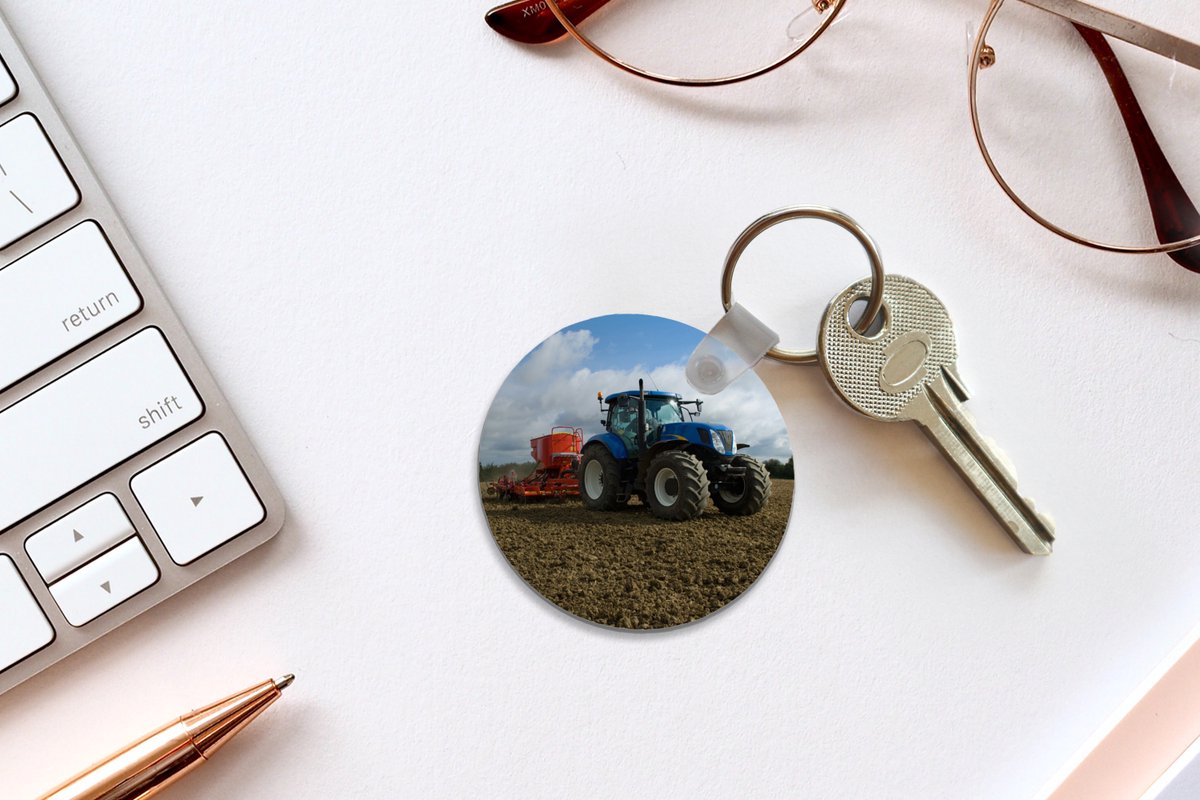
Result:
pixel 1085 118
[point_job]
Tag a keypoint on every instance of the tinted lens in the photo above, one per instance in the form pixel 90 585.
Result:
pixel 698 39
pixel 1096 136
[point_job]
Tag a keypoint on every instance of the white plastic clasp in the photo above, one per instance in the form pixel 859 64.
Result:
pixel 736 343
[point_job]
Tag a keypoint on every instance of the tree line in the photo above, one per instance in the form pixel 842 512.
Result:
pixel 780 469
pixel 490 472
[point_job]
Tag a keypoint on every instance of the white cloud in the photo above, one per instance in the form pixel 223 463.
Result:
pixel 553 387
pixel 563 350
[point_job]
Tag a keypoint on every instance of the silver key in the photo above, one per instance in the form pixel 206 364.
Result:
pixel 906 371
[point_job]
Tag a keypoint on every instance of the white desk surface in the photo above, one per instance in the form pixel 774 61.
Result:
pixel 368 212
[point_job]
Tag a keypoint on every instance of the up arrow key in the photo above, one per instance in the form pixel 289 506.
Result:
pixel 196 500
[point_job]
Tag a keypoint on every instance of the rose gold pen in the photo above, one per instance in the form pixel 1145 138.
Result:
pixel 143 769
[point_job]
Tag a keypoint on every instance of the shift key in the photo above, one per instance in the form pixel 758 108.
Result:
pixel 100 414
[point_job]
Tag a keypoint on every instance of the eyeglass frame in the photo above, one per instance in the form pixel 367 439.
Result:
pixel 1101 21
pixel 1078 12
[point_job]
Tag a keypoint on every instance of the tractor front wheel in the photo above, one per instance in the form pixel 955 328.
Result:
pixel 599 480
pixel 677 486
pixel 746 494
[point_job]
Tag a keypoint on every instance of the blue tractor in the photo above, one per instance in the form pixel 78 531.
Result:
pixel 673 464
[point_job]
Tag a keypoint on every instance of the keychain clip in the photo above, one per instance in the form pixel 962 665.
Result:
pixel 736 343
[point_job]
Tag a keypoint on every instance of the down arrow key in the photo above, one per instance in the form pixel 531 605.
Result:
pixel 105 583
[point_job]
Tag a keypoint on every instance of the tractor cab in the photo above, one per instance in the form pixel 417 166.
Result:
pixel 661 409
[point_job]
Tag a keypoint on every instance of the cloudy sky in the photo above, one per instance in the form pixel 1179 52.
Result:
pixel 556 384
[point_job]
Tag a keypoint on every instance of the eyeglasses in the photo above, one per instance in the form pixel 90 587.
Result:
pixel 1043 77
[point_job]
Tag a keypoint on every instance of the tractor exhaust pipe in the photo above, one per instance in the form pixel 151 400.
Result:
pixel 641 435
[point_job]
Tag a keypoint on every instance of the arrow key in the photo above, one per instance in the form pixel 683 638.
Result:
pixel 85 533
pixel 198 498
pixel 105 583
pixel 26 629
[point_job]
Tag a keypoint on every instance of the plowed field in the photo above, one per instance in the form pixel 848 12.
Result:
pixel 630 569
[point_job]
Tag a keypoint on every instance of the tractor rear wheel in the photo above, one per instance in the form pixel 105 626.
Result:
pixel 599 480
pixel 746 494
pixel 677 486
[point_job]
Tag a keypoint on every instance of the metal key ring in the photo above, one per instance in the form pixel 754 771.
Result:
pixel 874 301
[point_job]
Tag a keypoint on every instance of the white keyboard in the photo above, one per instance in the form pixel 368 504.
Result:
pixel 124 476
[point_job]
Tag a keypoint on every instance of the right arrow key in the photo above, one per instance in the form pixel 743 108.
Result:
pixel 198 498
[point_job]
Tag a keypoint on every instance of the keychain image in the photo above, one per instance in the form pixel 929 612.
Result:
pixel 895 362
pixel 619 497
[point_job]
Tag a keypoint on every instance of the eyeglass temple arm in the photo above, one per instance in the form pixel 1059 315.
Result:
pixel 1123 28
pixel 532 21
pixel 1175 216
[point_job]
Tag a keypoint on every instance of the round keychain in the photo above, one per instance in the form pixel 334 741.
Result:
pixel 619 496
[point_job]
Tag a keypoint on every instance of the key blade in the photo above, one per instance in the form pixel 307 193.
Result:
pixel 956 383
pixel 940 414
